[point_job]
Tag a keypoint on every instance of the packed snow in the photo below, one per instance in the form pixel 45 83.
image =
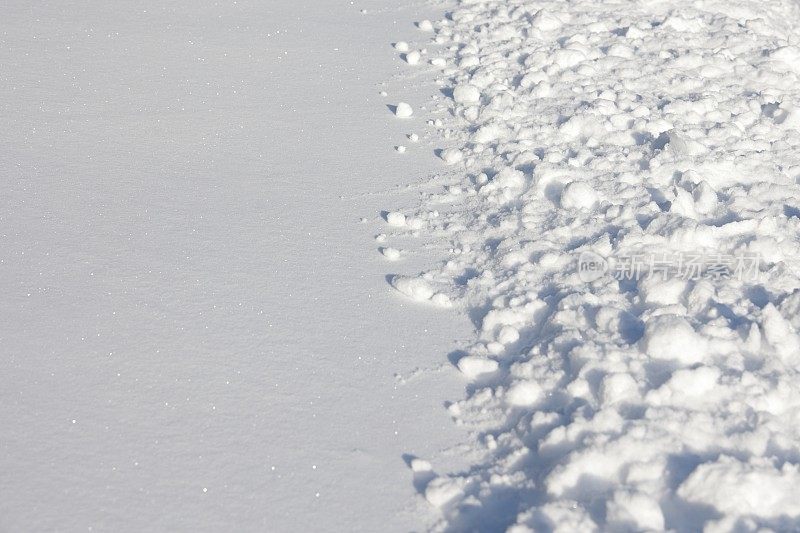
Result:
pixel 619 213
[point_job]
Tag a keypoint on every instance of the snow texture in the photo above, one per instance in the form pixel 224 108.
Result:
pixel 639 404
pixel 195 331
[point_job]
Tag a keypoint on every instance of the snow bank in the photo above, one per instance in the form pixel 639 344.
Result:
pixel 660 131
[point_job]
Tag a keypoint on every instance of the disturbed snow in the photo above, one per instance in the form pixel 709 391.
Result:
pixel 611 399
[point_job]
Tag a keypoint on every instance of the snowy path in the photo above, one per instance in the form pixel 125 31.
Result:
pixel 620 219
pixel 196 332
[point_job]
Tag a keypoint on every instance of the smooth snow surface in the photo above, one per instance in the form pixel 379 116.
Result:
pixel 589 133
pixel 197 332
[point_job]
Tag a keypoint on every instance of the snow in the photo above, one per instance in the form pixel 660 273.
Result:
pixel 415 288
pixel 474 365
pixel 396 219
pixel 229 304
pixel 425 25
pixel 524 394
pixel 197 332
pixel 412 57
pixel 392 254
pixel 403 110
pixel 658 143
pixel 744 488
pixel 634 512
pixel 672 338
pixel 441 490
pixel 451 156
pixel 578 195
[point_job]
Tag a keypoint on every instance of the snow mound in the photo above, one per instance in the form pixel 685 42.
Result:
pixel 662 140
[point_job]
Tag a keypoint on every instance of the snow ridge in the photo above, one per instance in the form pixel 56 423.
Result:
pixel 612 130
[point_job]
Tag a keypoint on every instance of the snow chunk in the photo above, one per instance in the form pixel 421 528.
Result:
pixel 545 21
pixel 425 25
pixel 524 393
pixel 657 291
pixel 392 254
pixel 466 94
pixel 705 198
pixel 396 219
pixel 566 58
pixel 451 156
pixel 671 337
pixel 475 365
pixel 509 178
pixel 403 110
pixel 415 288
pixel 634 511
pixel 683 146
pixel 413 57
pixel 442 490
pixel 578 195
pixel 679 23
pixel 686 386
pixel 508 335
pixel 420 465
pixel 489 132
pixel 618 388
pixel 779 334
pixel 737 488
pixel 401 46
pixel 567 517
